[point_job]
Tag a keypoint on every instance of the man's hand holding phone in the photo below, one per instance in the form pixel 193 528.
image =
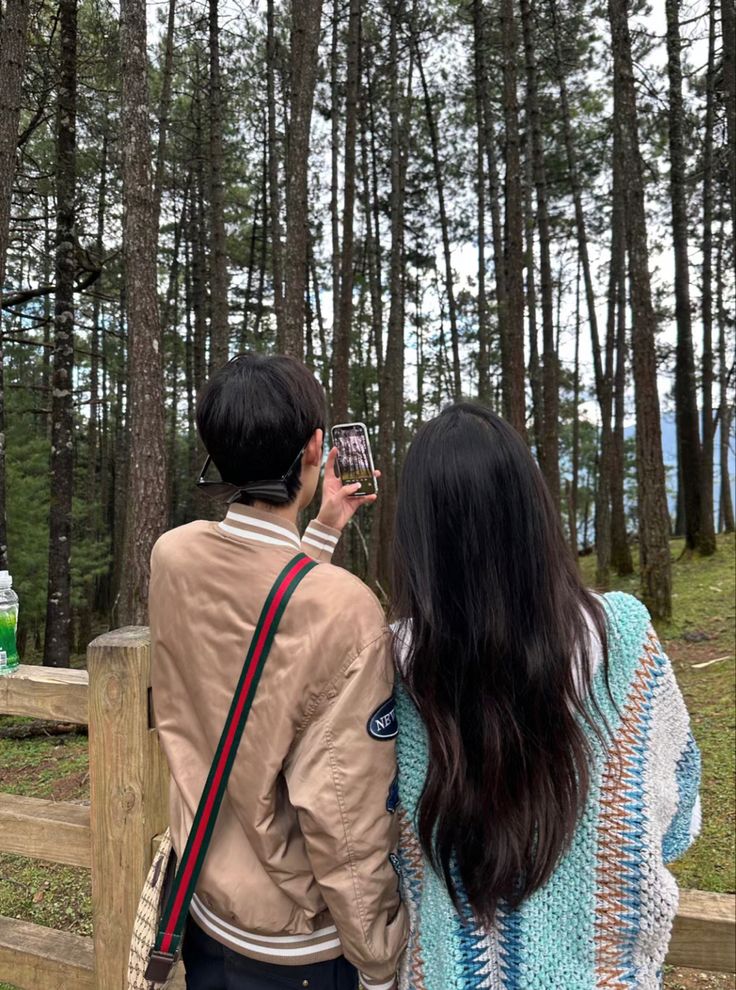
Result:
pixel 339 502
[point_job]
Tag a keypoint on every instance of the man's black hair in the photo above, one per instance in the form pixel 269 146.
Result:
pixel 255 414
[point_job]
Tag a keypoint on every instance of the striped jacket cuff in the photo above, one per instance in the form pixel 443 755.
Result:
pixel 319 541
pixel 373 985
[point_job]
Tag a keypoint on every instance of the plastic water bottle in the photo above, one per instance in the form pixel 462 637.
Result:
pixel 8 625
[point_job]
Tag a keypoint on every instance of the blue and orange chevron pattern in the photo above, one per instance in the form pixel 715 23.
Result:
pixel 604 918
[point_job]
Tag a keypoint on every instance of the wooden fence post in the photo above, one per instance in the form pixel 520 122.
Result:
pixel 128 783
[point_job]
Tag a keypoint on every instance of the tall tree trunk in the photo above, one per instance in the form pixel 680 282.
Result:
pixel 512 341
pixel 13 36
pixel 171 330
pixel 621 558
pixel 146 516
pixel 97 331
pixel 324 356
pixel 372 246
pixel 706 533
pixel 48 240
pixel 218 245
pixel 574 483
pixel 58 606
pixel 549 448
pixel 335 160
pixel 481 100
pixel 391 386
pixel 686 403
pixel 444 225
pixel 728 33
pixel 535 370
pixel 376 209
pixel 273 174
pixel 341 375
pixel 259 211
pixel 494 190
pixel 13 39
pixel 306 16
pixel 654 522
pixel 725 411
pixel 164 109
pixel 602 376
pixel 94 466
pixel 199 265
pixel 190 464
pixel 120 449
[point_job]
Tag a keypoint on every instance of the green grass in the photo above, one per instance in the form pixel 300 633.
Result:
pixel 704 590
pixel 703 602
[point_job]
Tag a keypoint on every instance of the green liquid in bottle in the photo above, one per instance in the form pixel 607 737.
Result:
pixel 8 622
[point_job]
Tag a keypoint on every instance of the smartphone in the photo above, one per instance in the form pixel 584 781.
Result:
pixel 354 458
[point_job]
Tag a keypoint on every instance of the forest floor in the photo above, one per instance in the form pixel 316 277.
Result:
pixel 699 640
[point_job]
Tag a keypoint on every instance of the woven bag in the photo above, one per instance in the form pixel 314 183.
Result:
pixel 148 916
pixel 167 893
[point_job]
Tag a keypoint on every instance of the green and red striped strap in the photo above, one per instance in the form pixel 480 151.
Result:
pixel 174 916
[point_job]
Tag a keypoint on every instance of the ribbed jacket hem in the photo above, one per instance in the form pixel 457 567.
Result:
pixel 282 950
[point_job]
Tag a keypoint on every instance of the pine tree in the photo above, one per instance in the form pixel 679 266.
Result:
pixel 146 515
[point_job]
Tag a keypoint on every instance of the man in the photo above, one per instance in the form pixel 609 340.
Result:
pixel 298 887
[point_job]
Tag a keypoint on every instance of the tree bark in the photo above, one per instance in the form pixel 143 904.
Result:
pixel 259 211
pixel 706 532
pixel 341 373
pixel 602 376
pixel 535 369
pixel 164 108
pixel 146 516
pixel 574 483
pixel 686 403
pixel 219 327
pixel 728 32
pixel 481 100
pixel 621 558
pixel 549 448
pixel 372 243
pixel 444 225
pixel 512 341
pixel 199 266
pixel 58 606
pixel 335 160
pixel 726 411
pixel 305 25
pixel 273 175
pixel 494 193
pixel 654 522
pixel 391 410
pixel 13 38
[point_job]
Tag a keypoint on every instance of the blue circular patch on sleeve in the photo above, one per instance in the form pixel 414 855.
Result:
pixel 383 723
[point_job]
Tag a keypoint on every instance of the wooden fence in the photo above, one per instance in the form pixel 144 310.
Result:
pixel 115 835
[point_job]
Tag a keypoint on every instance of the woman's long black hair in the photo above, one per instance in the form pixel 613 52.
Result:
pixel 500 657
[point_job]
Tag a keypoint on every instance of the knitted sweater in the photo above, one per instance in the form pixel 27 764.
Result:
pixel 604 918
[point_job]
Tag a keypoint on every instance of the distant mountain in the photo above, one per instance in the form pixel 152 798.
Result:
pixel 669 450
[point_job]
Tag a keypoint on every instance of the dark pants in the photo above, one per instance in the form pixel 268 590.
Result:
pixel 212 966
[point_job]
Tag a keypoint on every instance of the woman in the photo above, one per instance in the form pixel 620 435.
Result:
pixel 546 766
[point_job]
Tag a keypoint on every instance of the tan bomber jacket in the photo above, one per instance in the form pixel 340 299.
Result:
pixel 300 867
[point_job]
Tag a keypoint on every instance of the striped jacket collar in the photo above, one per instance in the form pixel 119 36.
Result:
pixel 246 523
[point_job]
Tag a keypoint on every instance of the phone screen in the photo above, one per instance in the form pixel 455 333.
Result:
pixel 354 460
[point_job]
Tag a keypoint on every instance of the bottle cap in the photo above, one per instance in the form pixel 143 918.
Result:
pixel 6 580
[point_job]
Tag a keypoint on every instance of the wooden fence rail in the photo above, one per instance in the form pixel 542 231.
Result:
pixel 115 835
